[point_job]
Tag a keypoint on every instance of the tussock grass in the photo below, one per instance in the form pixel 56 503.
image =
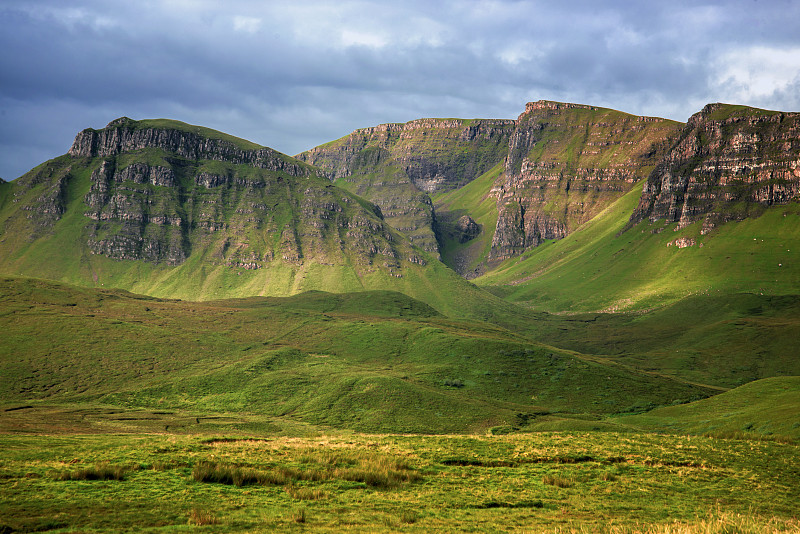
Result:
pixel 299 515
pixel 371 470
pixel 409 517
pixel 558 481
pixel 95 472
pixel 608 476
pixel 303 493
pixel 232 475
pixel 719 522
pixel 202 517
pixel 655 490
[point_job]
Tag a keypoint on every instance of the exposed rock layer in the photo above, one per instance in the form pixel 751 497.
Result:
pixel 729 163
pixel 565 164
pixel 397 165
pixel 160 194
pixel 126 135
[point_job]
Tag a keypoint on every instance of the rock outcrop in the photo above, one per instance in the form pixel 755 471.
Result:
pixel 730 162
pixel 126 135
pixel 565 164
pixel 467 228
pixel 434 154
pixel 397 166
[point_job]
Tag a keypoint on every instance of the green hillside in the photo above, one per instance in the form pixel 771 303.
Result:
pixel 398 165
pixel 473 200
pixel 373 361
pixel 768 407
pixel 603 266
pixel 723 340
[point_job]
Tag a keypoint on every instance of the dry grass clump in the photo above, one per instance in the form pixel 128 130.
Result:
pixel 299 515
pixel 202 517
pixel 303 493
pixel 376 471
pixel 608 476
pixel 557 481
pixel 719 522
pixel 241 476
pixel 102 471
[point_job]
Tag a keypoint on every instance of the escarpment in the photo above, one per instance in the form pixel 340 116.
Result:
pixel 397 166
pixel 729 163
pixel 565 164
pixel 126 135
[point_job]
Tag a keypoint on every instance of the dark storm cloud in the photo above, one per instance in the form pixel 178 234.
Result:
pixel 293 75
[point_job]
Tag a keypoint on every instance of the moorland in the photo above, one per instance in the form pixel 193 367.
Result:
pixel 577 321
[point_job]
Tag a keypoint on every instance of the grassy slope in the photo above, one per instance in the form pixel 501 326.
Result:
pixel 765 407
pixel 375 361
pixel 724 340
pixel 598 268
pixel 384 165
pixel 473 199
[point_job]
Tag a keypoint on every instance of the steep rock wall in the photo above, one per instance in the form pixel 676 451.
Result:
pixel 126 135
pixel 729 163
pixel 398 165
pixel 161 194
pixel 565 164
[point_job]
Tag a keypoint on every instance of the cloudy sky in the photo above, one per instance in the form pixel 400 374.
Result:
pixel 294 74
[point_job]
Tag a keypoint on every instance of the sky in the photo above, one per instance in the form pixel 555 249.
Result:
pixel 293 75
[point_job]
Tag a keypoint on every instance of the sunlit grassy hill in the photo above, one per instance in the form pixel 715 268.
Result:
pixel 768 407
pixel 604 266
pixel 374 361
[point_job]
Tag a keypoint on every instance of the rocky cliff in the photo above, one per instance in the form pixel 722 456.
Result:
pixel 565 164
pixel 398 165
pixel 729 163
pixel 186 141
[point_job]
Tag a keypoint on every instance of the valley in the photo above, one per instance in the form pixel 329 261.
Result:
pixel 544 323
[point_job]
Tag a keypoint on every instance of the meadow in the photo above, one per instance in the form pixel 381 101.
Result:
pixel 321 480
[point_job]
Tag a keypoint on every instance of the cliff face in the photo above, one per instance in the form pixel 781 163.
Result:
pixel 398 165
pixel 730 162
pixel 435 154
pixel 125 135
pixel 565 164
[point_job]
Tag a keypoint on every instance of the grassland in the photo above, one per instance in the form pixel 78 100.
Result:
pixel 546 482
pixel 660 394
pixel 372 361
pixel 469 258
pixel 123 412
